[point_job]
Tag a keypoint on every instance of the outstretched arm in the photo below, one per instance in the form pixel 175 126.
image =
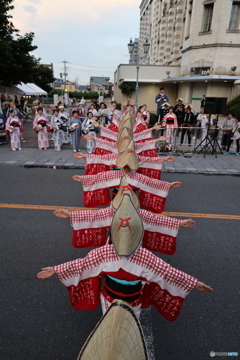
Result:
pixel 175 184
pixel 168 159
pixel 79 155
pixel 77 178
pixel 187 223
pixel 64 214
pixel 203 287
pixel 46 273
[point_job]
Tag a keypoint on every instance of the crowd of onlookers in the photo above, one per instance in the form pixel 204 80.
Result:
pixel 66 127
pixel 181 119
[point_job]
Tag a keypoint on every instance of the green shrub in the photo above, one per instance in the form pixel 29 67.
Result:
pixel 233 107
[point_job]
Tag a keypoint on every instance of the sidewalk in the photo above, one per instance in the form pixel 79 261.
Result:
pixel 32 157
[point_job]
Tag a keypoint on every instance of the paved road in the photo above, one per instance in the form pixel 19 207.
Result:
pixel 37 321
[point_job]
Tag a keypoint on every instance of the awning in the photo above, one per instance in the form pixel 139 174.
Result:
pixel 31 89
pixel 210 78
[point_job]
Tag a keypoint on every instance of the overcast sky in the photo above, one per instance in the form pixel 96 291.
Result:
pixel 91 35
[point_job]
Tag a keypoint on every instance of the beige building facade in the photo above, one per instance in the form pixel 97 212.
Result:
pixel 197 41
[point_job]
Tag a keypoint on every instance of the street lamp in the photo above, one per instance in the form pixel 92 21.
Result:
pixel 136 58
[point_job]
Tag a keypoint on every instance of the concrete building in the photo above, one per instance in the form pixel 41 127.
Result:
pixel 99 83
pixel 200 38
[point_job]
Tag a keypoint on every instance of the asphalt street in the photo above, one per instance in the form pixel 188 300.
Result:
pixel 37 321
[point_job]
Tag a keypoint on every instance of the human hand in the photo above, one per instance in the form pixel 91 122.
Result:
pixel 187 223
pixel 169 159
pixel 156 126
pixel 203 287
pixel 79 155
pixel 97 124
pixel 77 178
pixel 175 184
pixel 46 273
pixel 64 214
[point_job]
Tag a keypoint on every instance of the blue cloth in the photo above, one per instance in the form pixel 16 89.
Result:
pixel 125 282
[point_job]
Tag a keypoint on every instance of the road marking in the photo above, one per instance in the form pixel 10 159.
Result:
pixel 175 214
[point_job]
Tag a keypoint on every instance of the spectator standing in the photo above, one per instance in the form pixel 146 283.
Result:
pixel 3 138
pixel 81 112
pixel 74 125
pixel 160 99
pixel 89 129
pixel 203 102
pixel 41 125
pixel 103 114
pixel 56 124
pixel 82 102
pixel 188 122
pixel 170 122
pixel 235 135
pixel 227 126
pixel 145 114
pixel 64 116
pixel 13 126
pixel 179 110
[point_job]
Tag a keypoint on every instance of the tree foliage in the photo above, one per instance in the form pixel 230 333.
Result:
pixel 127 88
pixel 43 76
pixel 16 64
pixel 233 107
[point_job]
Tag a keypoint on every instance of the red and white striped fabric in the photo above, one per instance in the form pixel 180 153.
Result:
pixel 143 136
pixel 163 286
pixel 114 125
pixel 152 195
pixel 107 134
pixel 147 148
pixel 104 147
pixel 139 126
pixel 90 229
pixel 150 167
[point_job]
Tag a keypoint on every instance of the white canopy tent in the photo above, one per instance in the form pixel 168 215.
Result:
pixel 31 89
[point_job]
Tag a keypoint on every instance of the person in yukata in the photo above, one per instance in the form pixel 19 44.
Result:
pixel 74 126
pixel 41 125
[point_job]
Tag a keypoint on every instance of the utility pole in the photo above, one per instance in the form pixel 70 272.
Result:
pixel 65 73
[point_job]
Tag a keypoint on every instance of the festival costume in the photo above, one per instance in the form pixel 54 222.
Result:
pixel 162 285
pixel 42 120
pixel 90 229
pixel 149 166
pixel 64 116
pixel 13 126
pixel 109 135
pixel 75 133
pixel 89 128
pixel 170 121
pixel 152 195
pixel 147 148
pixel 58 135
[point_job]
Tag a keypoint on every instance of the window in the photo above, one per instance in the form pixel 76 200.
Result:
pixel 234 17
pixel 207 17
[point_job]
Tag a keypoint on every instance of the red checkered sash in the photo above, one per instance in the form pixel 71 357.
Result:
pixel 163 286
pixel 114 125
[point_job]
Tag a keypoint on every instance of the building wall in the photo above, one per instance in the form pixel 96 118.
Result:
pixel 174 29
